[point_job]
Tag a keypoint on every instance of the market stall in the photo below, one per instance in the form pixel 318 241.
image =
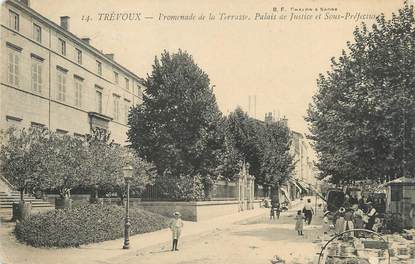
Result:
pixel 373 248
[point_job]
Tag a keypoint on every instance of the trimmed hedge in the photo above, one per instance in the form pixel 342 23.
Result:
pixel 85 224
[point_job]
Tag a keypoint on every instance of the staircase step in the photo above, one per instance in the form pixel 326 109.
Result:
pixel 34 203
pixel 33 206
pixel 17 196
pixel 7 198
pixel 16 200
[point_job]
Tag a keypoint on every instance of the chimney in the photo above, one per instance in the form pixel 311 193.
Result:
pixel 65 22
pixel 110 56
pixel 86 40
pixel 25 2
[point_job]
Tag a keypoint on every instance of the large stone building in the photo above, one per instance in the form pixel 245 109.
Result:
pixel 54 79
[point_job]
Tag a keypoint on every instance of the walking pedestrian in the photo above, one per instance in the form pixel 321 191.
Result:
pixel 308 211
pixel 299 222
pixel 176 228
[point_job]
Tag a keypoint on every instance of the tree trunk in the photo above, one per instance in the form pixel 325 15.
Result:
pixel 94 195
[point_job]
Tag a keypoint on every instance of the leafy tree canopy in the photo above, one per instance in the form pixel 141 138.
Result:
pixel 177 127
pixel 362 117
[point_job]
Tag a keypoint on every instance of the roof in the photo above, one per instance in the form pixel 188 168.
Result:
pixel 401 181
pixel 73 37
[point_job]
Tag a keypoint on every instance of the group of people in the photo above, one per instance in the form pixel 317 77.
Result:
pixel 304 216
pixel 275 210
pixel 353 216
pixel 356 214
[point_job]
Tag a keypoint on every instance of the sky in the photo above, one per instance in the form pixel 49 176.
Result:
pixel 277 61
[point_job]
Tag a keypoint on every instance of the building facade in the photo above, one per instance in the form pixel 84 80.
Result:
pixel 304 171
pixel 54 79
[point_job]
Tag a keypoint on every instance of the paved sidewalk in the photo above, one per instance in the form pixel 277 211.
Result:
pixel 108 251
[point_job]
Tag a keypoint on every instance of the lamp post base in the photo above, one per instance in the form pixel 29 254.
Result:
pixel 126 247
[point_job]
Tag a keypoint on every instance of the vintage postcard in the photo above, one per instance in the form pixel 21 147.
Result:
pixel 190 132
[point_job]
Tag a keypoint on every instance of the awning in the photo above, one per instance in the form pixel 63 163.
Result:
pixel 317 192
pixel 296 185
pixel 303 186
pixel 285 193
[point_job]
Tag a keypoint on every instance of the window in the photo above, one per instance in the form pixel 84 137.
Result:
pixel 13 68
pixel 37 125
pixel 37 33
pixel 14 20
pixel 61 131
pixel 116 107
pixel 99 67
pixel 98 100
pixel 62 47
pixel 78 54
pixel 116 77
pixel 61 86
pixel 13 121
pixel 36 75
pixel 127 83
pixel 126 110
pixel 78 92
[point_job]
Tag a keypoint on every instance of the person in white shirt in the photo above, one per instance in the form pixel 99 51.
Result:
pixel 308 211
pixel 176 228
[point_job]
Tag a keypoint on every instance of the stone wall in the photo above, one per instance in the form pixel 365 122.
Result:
pixel 194 211
pixel 190 211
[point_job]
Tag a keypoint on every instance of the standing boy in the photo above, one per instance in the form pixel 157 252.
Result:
pixel 176 229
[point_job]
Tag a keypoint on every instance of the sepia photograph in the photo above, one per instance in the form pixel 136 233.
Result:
pixel 207 132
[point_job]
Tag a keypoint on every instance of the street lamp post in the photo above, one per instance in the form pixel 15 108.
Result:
pixel 128 172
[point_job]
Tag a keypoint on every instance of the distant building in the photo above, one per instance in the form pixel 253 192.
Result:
pixel 52 78
pixel 269 118
pixel 304 168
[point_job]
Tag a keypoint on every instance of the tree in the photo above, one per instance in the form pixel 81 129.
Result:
pixel 118 156
pixel 276 163
pixel 265 147
pixel 362 118
pixel 64 163
pixel 21 155
pixel 104 165
pixel 245 135
pixel 177 127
